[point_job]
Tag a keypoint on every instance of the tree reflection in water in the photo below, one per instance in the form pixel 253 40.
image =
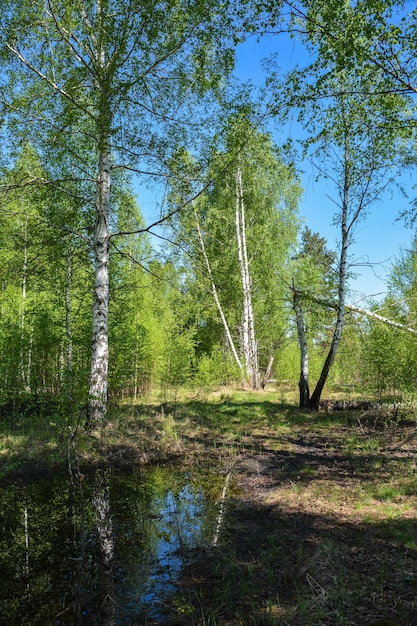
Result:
pixel 104 549
pixel 101 506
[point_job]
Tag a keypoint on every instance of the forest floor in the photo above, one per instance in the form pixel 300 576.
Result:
pixel 320 524
pixel 320 509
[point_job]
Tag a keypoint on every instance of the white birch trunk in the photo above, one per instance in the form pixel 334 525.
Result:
pixel 356 309
pixel 101 247
pixel 29 363
pixel 380 318
pixel 68 327
pixel 100 341
pixel 24 283
pixel 26 525
pixel 249 345
pixel 136 370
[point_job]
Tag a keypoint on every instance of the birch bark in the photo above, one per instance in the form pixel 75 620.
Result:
pixel 68 325
pixel 355 309
pixel 25 368
pixel 100 341
pixel 249 345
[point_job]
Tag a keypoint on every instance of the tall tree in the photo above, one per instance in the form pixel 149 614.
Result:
pixel 239 239
pixel 363 165
pixel 249 341
pixel 351 116
pixel 111 85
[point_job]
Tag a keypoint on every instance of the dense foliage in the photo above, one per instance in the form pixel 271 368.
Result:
pixel 87 97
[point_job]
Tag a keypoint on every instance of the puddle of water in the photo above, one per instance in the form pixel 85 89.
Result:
pixel 62 561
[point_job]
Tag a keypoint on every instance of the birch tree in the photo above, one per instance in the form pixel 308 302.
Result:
pixel 353 140
pixel 110 85
pixel 249 342
pixel 364 160
pixel 216 298
pixel 238 242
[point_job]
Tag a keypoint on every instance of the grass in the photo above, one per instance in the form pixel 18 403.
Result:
pixel 321 513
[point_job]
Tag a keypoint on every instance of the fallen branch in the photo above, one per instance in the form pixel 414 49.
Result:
pixel 355 309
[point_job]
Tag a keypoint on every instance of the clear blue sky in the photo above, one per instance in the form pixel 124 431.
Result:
pixel 378 238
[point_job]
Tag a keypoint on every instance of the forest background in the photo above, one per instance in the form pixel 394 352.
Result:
pixel 224 283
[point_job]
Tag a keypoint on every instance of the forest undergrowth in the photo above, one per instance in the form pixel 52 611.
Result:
pixel 320 522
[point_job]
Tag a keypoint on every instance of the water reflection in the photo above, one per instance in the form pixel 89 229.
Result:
pixel 177 527
pixel 105 542
pixel 112 557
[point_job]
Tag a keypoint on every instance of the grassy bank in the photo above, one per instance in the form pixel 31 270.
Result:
pixel 320 523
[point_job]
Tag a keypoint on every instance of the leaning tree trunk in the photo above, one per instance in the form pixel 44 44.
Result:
pixel 100 341
pixel 250 349
pixel 316 395
pixel 302 339
pixel 227 332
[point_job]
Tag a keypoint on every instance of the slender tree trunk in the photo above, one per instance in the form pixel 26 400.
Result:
pixel 316 395
pixel 100 341
pixel 268 372
pixel 216 298
pixel 380 318
pixel 250 349
pixel 29 361
pixel 68 327
pixel 356 309
pixel 24 371
pixel 26 568
pixel 136 371
pixel 302 340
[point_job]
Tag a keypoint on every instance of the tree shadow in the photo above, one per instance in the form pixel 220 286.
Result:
pixel 276 567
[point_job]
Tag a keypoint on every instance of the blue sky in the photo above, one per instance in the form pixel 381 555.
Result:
pixel 378 238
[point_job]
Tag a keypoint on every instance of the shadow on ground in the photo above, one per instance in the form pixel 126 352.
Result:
pixel 275 567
